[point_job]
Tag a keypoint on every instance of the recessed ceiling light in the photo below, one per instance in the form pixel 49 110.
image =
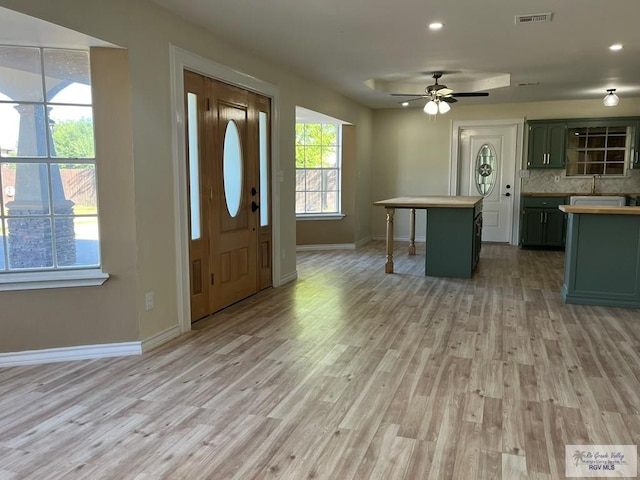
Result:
pixel 436 26
pixel 615 47
pixel 405 104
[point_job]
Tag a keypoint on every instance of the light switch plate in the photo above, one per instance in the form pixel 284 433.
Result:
pixel 148 301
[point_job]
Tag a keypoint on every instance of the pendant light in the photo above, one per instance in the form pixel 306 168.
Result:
pixel 611 99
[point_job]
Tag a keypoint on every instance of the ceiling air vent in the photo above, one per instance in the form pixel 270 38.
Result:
pixel 535 18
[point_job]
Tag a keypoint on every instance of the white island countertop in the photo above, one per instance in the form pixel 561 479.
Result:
pixel 446 201
pixel 600 210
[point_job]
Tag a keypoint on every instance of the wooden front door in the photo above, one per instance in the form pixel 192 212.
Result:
pixel 227 132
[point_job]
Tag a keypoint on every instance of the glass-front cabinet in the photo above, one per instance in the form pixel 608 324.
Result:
pixel 598 150
pixel 585 147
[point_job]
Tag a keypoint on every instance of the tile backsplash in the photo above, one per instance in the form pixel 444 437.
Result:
pixel 543 180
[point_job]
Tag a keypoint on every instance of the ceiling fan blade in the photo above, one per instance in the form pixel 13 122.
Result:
pixel 470 94
pixel 449 100
pixel 412 99
pixel 445 92
pixel 406 95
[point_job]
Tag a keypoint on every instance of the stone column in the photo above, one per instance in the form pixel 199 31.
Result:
pixel 30 233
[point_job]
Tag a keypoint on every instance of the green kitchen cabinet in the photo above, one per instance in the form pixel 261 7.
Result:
pixel 547 144
pixel 543 224
pixel 635 148
pixel 532 227
pixel 555 228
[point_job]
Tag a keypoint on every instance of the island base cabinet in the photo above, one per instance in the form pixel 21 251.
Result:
pixel 602 260
pixel 452 242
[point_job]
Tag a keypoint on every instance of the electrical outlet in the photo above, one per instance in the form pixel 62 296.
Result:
pixel 556 178
pixel 148 301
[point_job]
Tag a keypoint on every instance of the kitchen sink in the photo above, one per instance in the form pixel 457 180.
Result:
pixel 598 200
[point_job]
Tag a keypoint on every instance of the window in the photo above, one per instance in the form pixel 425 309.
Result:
pixel 318 164
pixel 597 150
pixel 48 205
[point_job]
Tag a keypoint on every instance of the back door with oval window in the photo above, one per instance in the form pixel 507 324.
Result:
pixel 487 168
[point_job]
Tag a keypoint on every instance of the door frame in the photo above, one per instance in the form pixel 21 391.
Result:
pixel 181 60
pixel 454 161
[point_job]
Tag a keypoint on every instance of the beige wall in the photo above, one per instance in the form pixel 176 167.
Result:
pixel 411 149
pixel 363 173
pixel 145 197
pixel 62 317
pixel 397 152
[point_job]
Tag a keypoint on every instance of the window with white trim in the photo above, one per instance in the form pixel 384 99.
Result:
pixel 318 169
pixel 48 203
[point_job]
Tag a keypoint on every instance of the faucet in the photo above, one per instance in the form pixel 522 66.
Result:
pixel 593 183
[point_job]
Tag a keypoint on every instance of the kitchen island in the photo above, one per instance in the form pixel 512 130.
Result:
pixel 602 259
pixel 453 237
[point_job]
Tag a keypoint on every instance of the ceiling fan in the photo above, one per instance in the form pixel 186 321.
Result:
pixel 439 96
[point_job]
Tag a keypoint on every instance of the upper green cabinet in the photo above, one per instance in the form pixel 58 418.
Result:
pixel 635 155
pixel 547 144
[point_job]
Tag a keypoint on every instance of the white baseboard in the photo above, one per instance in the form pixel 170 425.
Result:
pixel 67 354
pixel 363 242
pixel 160 338
pixel 291 277
pixel 419 239
pixel 325 246
pixel 334 246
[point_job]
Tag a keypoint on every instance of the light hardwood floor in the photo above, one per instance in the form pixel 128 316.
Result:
pixel 347 373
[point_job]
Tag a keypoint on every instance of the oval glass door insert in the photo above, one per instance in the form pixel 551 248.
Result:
pixel 486 169
pixel 232 164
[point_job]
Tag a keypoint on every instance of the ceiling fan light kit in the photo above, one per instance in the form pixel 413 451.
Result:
pixel 431 107
pixel 611 99
pixel 436 106
pixel 443 107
